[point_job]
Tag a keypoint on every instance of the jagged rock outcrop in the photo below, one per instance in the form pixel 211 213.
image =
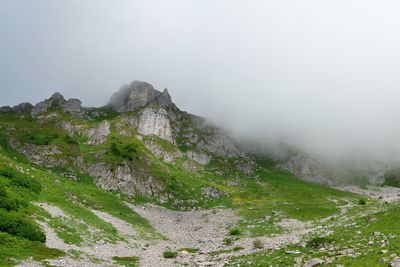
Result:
pixel 159 152
pixel 57 101
pixel 23 108
pixel 124 178
pixel 74 107
pixel 155 121
pixel 138 95
pixel 206 136
pixel 121 165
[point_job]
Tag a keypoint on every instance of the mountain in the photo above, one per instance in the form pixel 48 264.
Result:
pixel 139 182
pixel 127 145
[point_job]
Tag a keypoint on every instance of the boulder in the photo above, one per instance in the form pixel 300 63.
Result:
pixel 395 262
pixel 313 262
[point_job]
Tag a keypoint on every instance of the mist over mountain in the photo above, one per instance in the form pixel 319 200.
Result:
pixel 316 76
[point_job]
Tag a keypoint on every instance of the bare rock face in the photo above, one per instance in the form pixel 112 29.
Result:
pixel 155 121
pixel 200 157
pixel 73 107
pixel 159 152
pixel 42 155
pixel 216 141
pixel 138 95
pixel 98 134
pixel 125 179
pixel 55 101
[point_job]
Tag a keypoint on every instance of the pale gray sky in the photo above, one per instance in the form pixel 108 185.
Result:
pixel 321 74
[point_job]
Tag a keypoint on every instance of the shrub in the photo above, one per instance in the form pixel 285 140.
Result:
pixel 68 140
pixel 228 241
pixel 15 224
pixel 234 231
pixel 170 254
pixel 40 138
pixel 8 203
pixel 21 180
pixel 319 242
pixel 114 150
pixel 258 244
pixel 28 183
pixel 8 172
pixel 362 202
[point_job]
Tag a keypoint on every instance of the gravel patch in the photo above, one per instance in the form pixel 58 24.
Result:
pixel 125 229
pixel 383 193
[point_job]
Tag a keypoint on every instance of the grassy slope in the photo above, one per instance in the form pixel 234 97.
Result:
pixel 57 190
pixel 376 223
pixel 260 202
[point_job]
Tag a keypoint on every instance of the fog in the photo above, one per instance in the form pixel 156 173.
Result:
pixel 322 76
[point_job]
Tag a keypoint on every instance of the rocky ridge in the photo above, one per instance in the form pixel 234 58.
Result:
pixel 116 164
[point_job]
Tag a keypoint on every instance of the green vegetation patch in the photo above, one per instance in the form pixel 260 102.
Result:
pixel 127 261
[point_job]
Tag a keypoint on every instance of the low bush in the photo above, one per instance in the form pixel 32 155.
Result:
pixel 258 244
pixel 362 202
pixel 40 138
pixel 228 241
pixel 15 224
pixel 170 254
pixel 234 231
pixel 20 179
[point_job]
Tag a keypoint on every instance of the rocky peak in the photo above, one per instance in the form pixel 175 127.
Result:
pixel 57 98
pixel 165 99
pixel 23 108
pixel 57 101
pixel 138 95
pixel 5 109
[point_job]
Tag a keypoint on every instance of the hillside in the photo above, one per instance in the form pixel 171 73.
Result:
pixel 138 182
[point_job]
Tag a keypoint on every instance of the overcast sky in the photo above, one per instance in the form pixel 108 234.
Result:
pixel 324 75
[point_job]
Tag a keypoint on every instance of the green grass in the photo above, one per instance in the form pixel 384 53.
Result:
pixel 13 249
pixel 127 261
pixel 190 250
pixel 361 225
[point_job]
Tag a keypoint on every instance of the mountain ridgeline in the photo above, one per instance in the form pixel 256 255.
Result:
pixel 136 144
